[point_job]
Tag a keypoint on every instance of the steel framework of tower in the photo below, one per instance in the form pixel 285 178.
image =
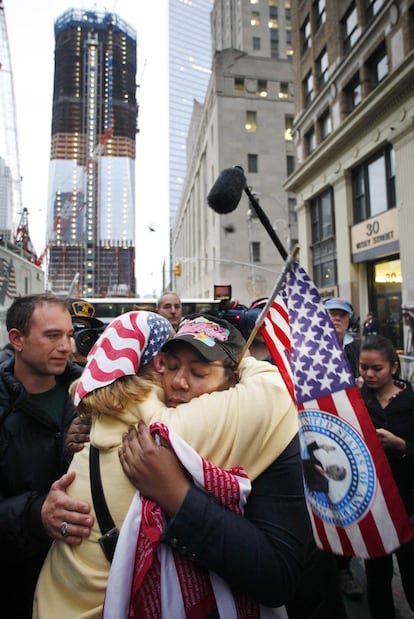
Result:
pixel 91 218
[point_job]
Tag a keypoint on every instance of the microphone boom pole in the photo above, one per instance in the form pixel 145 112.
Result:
pixel 266 223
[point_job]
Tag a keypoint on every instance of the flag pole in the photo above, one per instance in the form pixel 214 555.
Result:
pixel 279 283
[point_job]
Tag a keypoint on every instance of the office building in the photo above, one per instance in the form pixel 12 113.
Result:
pixel 354 135
pixel 246 120
pixel 91 218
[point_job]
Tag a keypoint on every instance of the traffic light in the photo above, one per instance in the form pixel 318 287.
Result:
pixel 178 269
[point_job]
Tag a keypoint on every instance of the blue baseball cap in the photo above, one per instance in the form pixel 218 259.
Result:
pixel 336 303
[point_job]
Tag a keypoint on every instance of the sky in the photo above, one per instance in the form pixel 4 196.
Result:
pixel 30 26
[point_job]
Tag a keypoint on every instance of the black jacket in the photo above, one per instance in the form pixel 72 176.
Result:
pixel 398 418
pixel 262 554
pixel 32 457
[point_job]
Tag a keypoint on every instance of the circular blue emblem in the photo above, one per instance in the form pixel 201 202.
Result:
pixel 338 470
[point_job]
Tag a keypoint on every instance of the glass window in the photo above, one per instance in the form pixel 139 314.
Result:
pixel 378 65
pixel 273 23
pixel 252 163
pixel 256 43
pixel 255 18
pixel 283 90
pixel 274 48
pixel 322 67
pixel 350 28
pixel 288 128
pixel 250 124
pixel 319 11
pixel 262 88
pixel 310 141
pixel 325 124
pixel 306 35
pixel 322 215
pixel 372 7
pixel 353 93
pixel 373 185
pixel 239 85
pixel 308 88
pixel 290 164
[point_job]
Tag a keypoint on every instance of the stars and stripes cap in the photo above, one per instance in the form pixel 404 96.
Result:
pixel 130 341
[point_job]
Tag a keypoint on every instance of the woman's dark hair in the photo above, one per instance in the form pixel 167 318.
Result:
pixel 384 346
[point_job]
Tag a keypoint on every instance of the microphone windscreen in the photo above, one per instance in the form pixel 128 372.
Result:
pixel 226 192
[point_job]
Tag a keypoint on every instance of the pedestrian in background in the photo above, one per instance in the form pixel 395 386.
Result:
pixel 169 306
pixel 390 404
pixel 370 326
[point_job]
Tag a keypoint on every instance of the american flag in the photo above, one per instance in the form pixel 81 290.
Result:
pixel 352 498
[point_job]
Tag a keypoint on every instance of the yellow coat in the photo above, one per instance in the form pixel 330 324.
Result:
pixel 249 424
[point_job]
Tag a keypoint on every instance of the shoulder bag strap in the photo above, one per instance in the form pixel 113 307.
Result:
pixel 103 515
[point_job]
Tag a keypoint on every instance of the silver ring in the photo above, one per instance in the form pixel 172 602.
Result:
pixel 64 529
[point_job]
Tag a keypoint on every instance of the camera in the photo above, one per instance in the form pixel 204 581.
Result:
pixel 234 312
pixel 85 338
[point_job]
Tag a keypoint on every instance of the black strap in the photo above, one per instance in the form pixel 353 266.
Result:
pixel 103 515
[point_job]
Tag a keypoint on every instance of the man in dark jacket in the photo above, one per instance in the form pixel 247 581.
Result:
pixel 36 414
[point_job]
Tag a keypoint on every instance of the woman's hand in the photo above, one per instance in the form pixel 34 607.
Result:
pixel 153 469
pixel 390 440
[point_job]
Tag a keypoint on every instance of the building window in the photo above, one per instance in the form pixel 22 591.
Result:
pixel 310 141
pixel 322 215
pixel 308 88
pixel 274 48
pixel 262 88
pixel 324 274
pixel 319 12
pixel 305 32
pixel 378 65
pixel 255 251
pixel 322 68
pixel 353 94
pixel 372 7
pixel 255 18
pixel 350 28
pixel 325 124
pixel 288 128
pixel 273 23
pixel 252 163
pixel 250 124
pixel 283 90
pixel 256 43
pixel 239 85
pixel 290 164
pixel 373 185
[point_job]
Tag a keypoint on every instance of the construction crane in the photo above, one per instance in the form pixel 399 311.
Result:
pixel 9 150
pixel 22 237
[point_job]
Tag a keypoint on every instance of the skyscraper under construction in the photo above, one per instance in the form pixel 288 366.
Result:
pixel 91 224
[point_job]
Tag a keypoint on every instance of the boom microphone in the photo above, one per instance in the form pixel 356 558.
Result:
pixel 226 193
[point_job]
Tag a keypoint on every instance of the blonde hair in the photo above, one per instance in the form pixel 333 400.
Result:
pixel 113 399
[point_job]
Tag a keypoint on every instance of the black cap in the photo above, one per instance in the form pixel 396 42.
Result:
pixel 214 338
pixel 79 308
